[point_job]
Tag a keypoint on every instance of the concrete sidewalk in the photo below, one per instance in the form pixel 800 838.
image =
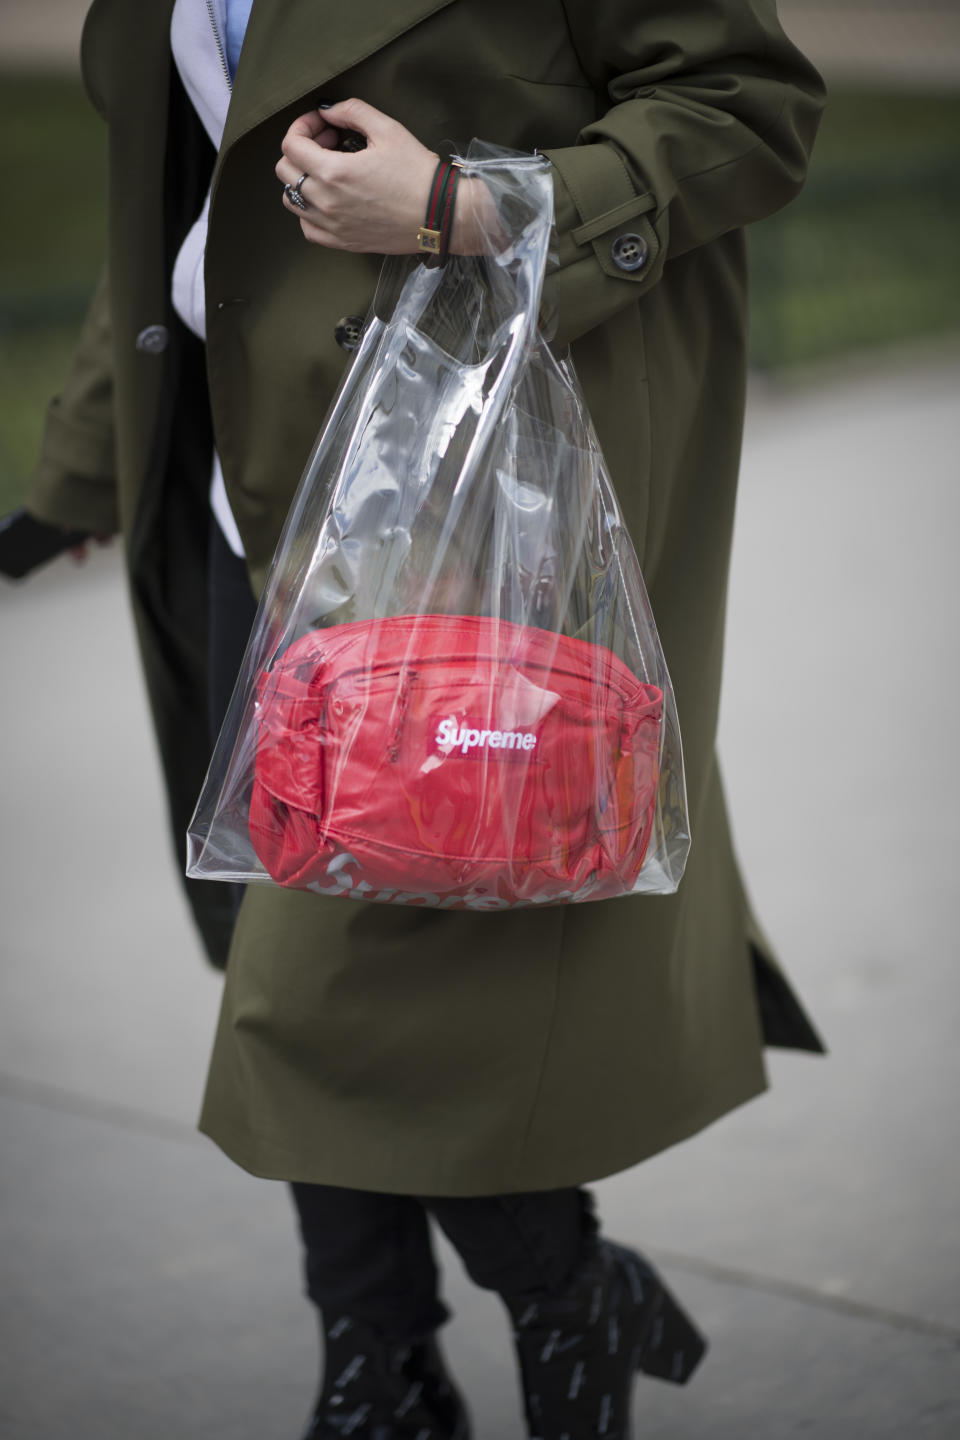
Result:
pixel 150 1289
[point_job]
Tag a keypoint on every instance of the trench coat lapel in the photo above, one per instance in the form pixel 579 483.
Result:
pixel 323 37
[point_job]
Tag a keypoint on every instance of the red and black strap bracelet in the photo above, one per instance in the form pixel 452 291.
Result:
pixel 433 236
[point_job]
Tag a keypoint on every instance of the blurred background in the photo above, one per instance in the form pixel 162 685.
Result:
pixel 149 1288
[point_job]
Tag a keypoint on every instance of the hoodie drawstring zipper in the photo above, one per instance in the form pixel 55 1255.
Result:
pixel 220 50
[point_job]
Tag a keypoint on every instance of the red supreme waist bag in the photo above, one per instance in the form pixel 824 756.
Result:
pixel 435 756
pixel 454 761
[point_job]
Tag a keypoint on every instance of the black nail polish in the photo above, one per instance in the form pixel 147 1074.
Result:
pixel 325 104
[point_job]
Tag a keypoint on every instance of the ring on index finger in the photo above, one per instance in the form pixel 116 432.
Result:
pixel 292 193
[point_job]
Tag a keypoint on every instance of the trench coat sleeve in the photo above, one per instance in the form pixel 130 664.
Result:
pixel 712 117
pixel 74 482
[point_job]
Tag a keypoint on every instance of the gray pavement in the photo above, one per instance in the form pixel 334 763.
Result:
pixel 149 1288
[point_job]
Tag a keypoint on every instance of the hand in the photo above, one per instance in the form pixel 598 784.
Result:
pixel 374 200
pixel 79 552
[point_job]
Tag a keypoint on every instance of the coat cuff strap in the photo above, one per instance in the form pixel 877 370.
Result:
pixel 619 215
pixel 596 202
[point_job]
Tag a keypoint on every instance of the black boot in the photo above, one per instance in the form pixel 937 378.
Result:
pixel 578 1351
pixel 378 1389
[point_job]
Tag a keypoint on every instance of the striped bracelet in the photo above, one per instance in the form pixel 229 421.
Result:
pixel 433 236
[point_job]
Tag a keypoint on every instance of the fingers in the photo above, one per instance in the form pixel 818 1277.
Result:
pixel 317 159
pixel 308 136
pixel 288 173
pixel 313 127
pixel 358 115
pixel 323 127
pixel 370 199
pixel 326 170
pixel 308 186
pixel 296 176
pixel 80 552
pixel 320 161
pixel 309 127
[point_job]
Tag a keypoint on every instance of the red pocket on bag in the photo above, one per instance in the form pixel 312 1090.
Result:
pixel 454 761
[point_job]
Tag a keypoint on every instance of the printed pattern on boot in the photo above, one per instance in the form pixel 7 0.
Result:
pixel 374 1389
pixel 578 1351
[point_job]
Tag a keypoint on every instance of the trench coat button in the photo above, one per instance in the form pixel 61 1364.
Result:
pixel 347 332
pixel 630 252
pixel 153 339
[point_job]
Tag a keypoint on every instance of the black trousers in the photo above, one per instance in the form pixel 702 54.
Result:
pixel 370 1255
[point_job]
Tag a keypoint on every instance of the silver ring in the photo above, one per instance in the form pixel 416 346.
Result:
pixel 292 193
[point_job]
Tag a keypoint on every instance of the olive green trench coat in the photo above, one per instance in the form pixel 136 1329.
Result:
pixel 419 1050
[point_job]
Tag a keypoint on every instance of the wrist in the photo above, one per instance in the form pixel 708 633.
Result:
pixel 436 232
pixel 476 224
pixel 464 236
